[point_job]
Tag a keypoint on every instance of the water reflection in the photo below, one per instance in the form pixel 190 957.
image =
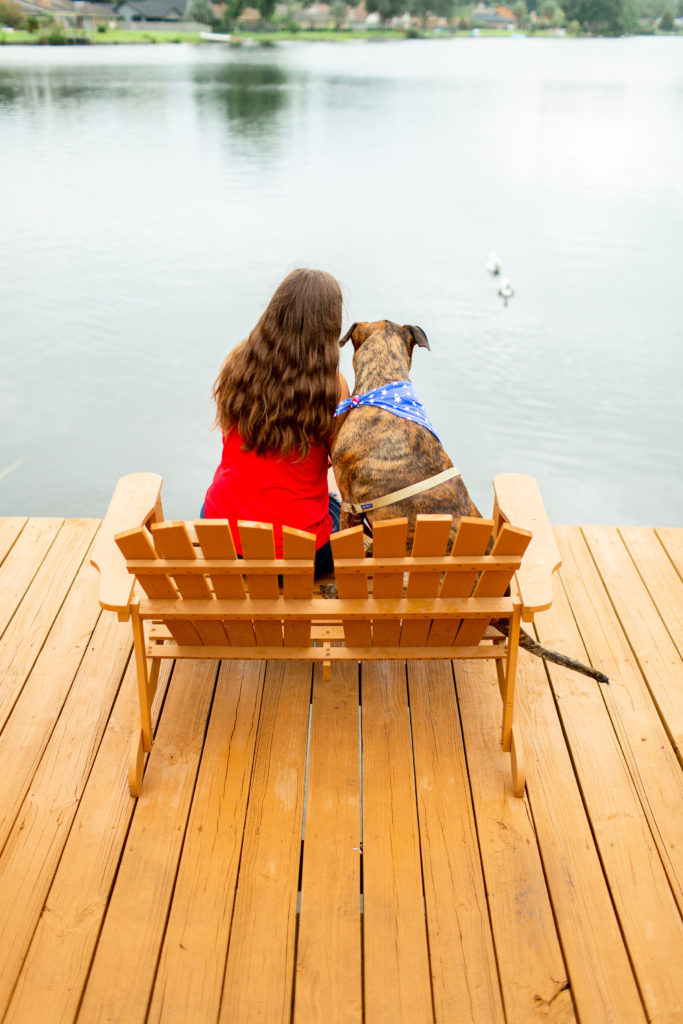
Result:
pixel 252 96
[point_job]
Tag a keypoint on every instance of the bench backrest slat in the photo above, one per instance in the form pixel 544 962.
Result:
pixel 472 538
pixel 215 540
pixel 493 582
pixel 349 544
pixel 431 539
pixel 298 544
pixel 172 540
pixel 138 544
pixel 388 541
pixel 258 542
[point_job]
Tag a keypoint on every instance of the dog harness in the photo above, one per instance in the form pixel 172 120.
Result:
pixel 398 398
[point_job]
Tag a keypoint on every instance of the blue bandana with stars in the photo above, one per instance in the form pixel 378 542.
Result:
pixel 398 398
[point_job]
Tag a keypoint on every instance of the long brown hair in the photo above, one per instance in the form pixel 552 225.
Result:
pixel 279 387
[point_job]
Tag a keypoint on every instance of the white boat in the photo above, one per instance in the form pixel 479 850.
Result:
pixel 214 37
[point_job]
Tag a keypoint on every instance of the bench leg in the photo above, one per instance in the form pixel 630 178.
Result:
pixel 136 763
pixel 517 764
pixel 508 688
pixel 147 678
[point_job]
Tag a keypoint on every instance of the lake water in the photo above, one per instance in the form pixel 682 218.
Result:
pixel 153 197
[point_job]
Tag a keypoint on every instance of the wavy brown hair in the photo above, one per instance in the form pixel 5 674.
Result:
pixel 279 387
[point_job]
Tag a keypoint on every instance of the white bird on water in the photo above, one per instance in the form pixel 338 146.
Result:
pixel 506 291
pixel 493 263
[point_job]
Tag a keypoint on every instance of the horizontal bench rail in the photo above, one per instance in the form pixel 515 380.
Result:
pixel 283 609
pixel 328 652
pixel 285 567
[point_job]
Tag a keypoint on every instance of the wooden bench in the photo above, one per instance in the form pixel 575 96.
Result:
pixel 188 595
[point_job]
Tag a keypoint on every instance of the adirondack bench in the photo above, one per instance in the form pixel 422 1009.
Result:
pixel 195 599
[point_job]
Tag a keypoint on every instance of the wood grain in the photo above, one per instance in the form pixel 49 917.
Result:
pixel 462 957
pixel 32 621
pixel 125 962
pixel 533 976
pixel 397 977
pixel 630 859
pixel 328 969
pixel 190 976
pixel 260 967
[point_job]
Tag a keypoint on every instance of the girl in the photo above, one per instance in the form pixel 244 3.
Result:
pixel 275 400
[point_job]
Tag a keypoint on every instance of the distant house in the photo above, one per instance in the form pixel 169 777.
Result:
pixel 151 10
pixel 316 16
pixel 505 13
pixel 250 19
pixel 402 21
pixel 79 14
pixel 433 22
pixel 357 17
pixel 493 17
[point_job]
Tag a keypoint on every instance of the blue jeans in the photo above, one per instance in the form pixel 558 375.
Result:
pixel 323 556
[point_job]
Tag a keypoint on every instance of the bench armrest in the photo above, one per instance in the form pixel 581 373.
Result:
pixel 136 500
pixel 518 502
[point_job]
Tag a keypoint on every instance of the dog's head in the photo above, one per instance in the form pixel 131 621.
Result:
pixel 360 332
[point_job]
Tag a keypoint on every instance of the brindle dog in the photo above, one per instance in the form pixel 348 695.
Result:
pixel 376 453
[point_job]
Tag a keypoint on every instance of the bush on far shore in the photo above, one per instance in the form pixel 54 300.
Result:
pixel 11 14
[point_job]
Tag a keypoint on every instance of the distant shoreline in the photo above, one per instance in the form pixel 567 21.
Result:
pixel 114 37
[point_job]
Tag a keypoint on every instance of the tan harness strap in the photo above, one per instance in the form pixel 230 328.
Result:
pixel 405 492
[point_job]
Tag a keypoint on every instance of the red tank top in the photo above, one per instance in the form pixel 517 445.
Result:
pixel 271 488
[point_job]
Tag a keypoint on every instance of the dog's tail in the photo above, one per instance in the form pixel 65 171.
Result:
pixel 527 643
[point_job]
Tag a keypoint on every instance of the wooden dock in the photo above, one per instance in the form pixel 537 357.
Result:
pixel 276 869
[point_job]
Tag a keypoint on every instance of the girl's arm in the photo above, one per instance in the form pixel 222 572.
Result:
pixel 342 393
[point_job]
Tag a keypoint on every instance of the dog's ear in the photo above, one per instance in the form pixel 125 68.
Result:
pixel 342 341
pixel 418 335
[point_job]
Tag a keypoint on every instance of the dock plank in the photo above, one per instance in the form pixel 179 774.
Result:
pixel 125 962
pixel 190 976
pixel 657 655
pixel 32 621
pixel 602 982
pixel 637 881
pixel 42 697
pixel 397 976
pixel 329 958
pixel 56 966
pixel 37 837
pixel 21 560
pixel 259 974
pixel 533 975
pixel 462 957
pixel 659 575
pixel 10 528
pixel 671 538
pixel 651 760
